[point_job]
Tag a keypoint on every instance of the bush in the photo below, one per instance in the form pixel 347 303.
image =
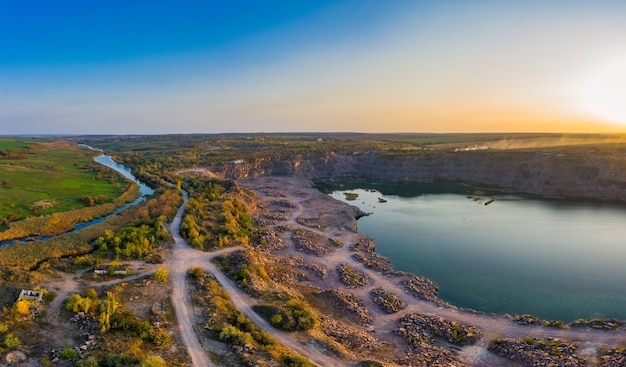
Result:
pixel 161 338
pixel 153 361
pixel 233 335
pixel 196 272
pixel 161 275
pixel 296 361
pixel 22 308
pixel 68 353
pixel 76 303
pixel 11 341
pixel 90 361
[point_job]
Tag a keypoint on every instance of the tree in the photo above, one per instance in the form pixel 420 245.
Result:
pixel 107 308
pixel 161 275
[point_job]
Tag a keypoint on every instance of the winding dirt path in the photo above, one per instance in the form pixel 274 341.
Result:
pixel 185 257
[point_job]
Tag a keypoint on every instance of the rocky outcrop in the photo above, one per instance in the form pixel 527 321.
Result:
pixel 388 302
pixel 598 324
pixel 611 358
pixel 421 288
pixel 351 277
pixel 349 305
pixel 312 243
pixel 354 339
pixel 419 328
pixel 533 352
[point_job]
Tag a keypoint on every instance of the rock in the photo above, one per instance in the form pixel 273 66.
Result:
pixel 535 352
pixel 15 357
pixel 420 327
pixel 351 277
pixel 349 305
pixel 388 302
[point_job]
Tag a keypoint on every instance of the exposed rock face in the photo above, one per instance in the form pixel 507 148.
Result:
pixel 590 172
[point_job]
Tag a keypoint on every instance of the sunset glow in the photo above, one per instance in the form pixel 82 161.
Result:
pixel 603 92
pixel 370 66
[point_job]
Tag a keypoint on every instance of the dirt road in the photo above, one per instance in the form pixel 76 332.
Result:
pixel 185 257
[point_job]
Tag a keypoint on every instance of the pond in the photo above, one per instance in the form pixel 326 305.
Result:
pixel 559 260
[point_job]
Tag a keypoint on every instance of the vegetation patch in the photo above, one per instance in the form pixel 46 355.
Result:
pixel 216 215
pixel 42 177
pixel 288 316
pixel 224 322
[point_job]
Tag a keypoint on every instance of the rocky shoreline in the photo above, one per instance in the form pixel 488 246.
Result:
pixel 363 287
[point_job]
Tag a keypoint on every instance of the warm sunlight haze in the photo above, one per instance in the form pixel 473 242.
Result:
pixel 74 67
pixel 603 91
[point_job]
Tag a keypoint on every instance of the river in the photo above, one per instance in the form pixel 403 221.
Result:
pixel 108 161
pixel 559 260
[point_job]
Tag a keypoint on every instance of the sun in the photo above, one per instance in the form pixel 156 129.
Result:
pixel 602 92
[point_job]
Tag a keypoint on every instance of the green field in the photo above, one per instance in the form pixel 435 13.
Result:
pixel 42 177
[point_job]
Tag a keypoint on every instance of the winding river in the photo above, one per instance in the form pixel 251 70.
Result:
pixel 105 160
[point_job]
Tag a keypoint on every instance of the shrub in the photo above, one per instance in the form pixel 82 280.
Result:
pixel 161 338
pixel 68 353
pixel 11 341
pixel 153 361
pixel 90 361
pixel 196 272
pixel 161 275
pixel 76 303
pixel 296 361
pixel 231 334
pixel 22 307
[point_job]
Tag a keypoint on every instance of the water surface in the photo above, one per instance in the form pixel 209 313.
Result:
pixel 555 259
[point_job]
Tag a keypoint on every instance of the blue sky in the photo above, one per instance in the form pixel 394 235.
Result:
pixel 148 67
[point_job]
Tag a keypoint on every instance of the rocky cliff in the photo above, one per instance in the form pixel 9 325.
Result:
pixel 573 172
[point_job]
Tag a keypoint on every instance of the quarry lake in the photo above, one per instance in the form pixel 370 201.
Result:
pixel 559 260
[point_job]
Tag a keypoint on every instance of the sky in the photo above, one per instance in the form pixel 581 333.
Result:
pixel 162 67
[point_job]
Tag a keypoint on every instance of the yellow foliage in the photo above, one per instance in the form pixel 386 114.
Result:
pixel 22 307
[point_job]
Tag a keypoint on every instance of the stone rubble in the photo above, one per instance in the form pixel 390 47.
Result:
pixel 387 301
pixel 420 327
pixel 350 305
pixel 421 288
pixel 351 277
pixel 312 243
pixel 533 352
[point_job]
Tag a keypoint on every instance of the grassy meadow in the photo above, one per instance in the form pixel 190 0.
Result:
pixel 42 177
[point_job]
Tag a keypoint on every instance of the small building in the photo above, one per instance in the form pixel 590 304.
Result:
pixel 30 295
pixel 110 269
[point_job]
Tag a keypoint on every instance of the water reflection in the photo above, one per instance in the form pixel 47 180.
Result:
pixel 555 259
